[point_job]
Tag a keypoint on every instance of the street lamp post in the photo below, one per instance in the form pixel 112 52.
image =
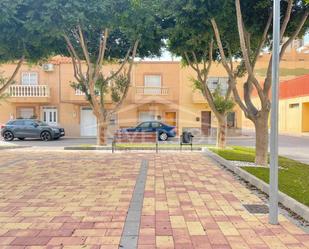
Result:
pixel 273 179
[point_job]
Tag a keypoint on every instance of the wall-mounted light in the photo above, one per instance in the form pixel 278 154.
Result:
pixel 197 119
pixel 74 114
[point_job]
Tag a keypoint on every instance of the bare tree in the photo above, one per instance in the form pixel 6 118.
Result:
pixel 95 84
pixel 219 105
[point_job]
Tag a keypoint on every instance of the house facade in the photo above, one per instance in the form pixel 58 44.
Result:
pixel 293 91
pixel 159 91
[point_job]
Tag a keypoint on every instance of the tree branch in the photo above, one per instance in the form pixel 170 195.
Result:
pixel 295 34
pixel 134 51
pixel 267 83
pixel 251 77
pixel 102 49
pixel 232 80
pixel 73 52
pixel 263 39
pixel 83 44
pixel 286 18
pixel 240 25
pixel 121 66
pixel 11 79
pixel 189 61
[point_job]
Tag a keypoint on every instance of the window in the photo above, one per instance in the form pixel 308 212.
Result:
pixel 29 123
pixel 18 122
pixel 156 124
pixel 294 105
pixel 144 125
pixel 26 112
pixel 152 84
pixel 231 120
pixel 215 82
pixel 29 78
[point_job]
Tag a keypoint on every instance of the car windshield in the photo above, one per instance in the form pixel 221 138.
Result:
pixel 41 123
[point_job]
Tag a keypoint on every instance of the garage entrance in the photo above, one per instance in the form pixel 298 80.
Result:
pixel 88 123
pixel 305 119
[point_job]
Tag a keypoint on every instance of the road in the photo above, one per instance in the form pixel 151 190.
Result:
pixel 290 146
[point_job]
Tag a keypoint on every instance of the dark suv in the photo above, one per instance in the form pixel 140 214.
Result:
pixel 30 128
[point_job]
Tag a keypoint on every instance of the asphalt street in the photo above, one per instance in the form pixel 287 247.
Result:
pixel 295 147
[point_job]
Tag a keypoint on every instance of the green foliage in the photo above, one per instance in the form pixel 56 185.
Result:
pixel 3 81
pixel 293 180
pixel 197 85
pixel 15 39
pixel 235 154
pixel 118 87
pixel 222 104
pixel 126 20
pixel 293 175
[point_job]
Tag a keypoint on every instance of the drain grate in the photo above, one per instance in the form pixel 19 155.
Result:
pixel 257 209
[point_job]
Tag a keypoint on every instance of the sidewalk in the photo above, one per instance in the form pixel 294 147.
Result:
pixel 81 200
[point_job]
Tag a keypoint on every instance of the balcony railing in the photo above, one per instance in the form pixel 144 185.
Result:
pixel 163 91
pixel 79 92
pixel 29 91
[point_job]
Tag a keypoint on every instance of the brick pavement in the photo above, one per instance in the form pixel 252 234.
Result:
pixel 80 200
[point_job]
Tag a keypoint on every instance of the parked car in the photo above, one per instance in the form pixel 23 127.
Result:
pixel 30 128
pixel 164 131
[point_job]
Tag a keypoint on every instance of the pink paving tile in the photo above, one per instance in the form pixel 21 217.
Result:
pixel 67 241
pixel 31 241
pixel 6 240
pixel 57 233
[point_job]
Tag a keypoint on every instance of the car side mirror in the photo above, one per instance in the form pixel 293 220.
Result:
pixel 35 125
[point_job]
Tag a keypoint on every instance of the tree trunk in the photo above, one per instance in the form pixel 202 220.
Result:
pixel 261 139
pixel 221 132
pixel 102 132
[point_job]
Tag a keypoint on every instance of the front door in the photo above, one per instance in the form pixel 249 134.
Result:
pixel 206 123
pixel 50 115
pixel 170 118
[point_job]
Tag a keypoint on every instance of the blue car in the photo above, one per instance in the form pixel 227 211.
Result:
pixel 165 131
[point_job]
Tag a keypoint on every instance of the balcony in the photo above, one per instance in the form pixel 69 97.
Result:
pixel 162 91
pixel 78 96
pixel 29 93
pixel 153 94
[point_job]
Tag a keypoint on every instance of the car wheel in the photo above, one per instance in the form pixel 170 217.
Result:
pixel 163 136
pixel 8 136
pixel 21 138
pixel 45 136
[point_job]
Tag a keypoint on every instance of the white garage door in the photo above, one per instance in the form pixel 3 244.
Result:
pixel 88 123
pixel 147 116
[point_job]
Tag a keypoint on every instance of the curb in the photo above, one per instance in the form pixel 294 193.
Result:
pixel 290 203
pixel 129 148
pixel 13 147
